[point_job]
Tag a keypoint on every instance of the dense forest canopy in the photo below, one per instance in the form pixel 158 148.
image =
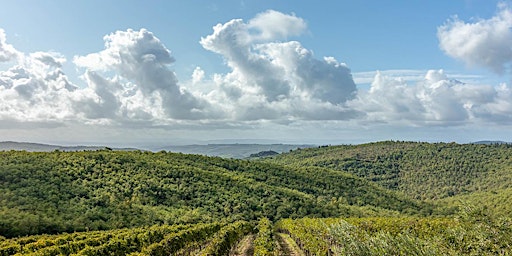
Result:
pixel 420 170
pixel 51 192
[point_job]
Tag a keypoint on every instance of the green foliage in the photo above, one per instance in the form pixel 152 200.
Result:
pixel 499 200
pixel 309 234
pixel 377 197
pixel 475 231
pixel 55 192
pixel 156 240
pixel 481 232
pixel 176 241
pixel 134 241
pixel 264 244
pixel 113 242
pixel 51 245
pixel 420 170
pixel 349 240
pixel 226 238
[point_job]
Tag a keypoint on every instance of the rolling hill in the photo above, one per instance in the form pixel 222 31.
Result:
pixel 419 170
pixel 387 197
pixel 52 192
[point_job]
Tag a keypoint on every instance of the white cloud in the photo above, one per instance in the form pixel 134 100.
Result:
pixel 7 51
pixel 497 110
pixel 408 75
pixel 272 25
pixel 486 42
pixel 277 80
pixel 436 100
pixel 51 59
pixel 35 89
pixel 128 82
pixel 135 72
pixel 197 75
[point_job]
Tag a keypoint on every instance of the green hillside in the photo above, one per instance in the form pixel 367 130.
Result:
pixel 52 192
pixel 385 198
pixel 499 200
pixel 419 170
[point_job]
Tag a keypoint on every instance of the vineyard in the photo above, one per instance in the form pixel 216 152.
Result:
pixel 472 232
pixel 469 234
pixel 198 239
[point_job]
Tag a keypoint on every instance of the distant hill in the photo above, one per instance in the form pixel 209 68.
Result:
pixel 264 154
pixel 238 151
pixel 420 170
pixel 490 142
pixel 38 147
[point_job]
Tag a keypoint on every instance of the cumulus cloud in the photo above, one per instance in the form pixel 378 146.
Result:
pixel 436 100
pixel 51 59
pixel 485 42
pixel 35 89
pixel 128 82
pixel 271 25
pixel 139 62
pixel 197 75
pixel 7 51
pixel 272 79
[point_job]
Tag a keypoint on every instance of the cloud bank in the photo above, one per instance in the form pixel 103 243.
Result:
pixel 435 100
pixel 272 79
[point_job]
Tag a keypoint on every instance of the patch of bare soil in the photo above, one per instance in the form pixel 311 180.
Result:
pixel 288 247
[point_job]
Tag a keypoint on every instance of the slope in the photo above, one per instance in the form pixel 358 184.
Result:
pixel 52 192
pixel 419 170
pixel 498 201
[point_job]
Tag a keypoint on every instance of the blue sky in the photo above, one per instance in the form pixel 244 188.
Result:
pixel 145 73
pixel 367 35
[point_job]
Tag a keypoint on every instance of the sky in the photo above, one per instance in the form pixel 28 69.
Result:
pixel 156 73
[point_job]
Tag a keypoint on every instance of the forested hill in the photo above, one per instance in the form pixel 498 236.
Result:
pixel 387 198
pixel 54 192
pixel 420 170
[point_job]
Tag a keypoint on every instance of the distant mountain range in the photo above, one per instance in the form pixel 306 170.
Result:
pixel 38 147
pixel 490 142
pixel 233 150
pixel 226 150
pixel 221 150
